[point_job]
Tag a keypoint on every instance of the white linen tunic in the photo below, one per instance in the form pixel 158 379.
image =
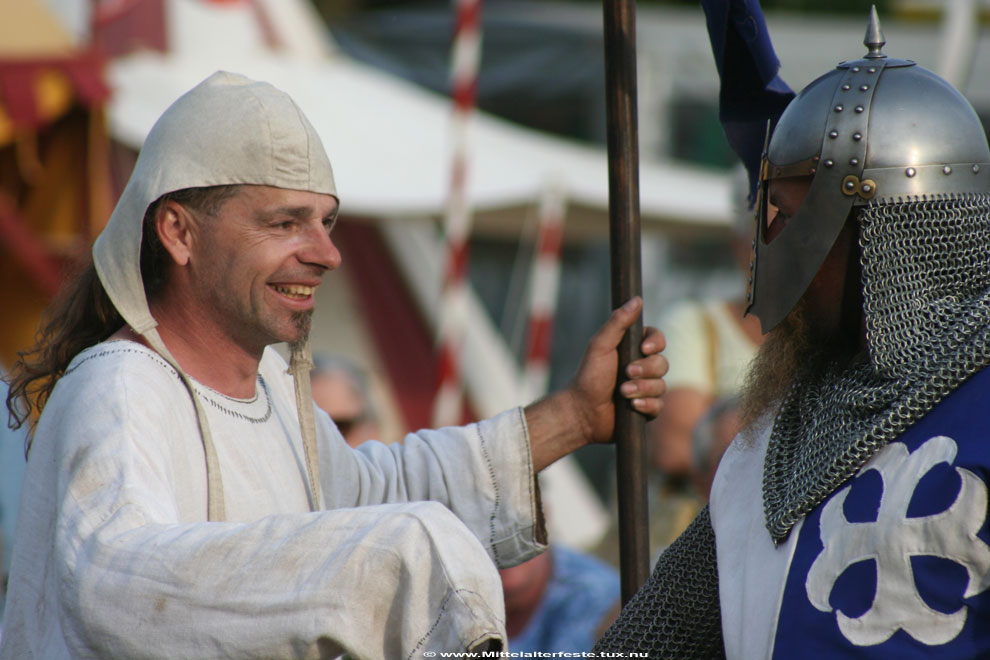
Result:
pixel 114 556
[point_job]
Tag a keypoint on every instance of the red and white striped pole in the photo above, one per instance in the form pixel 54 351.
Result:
pixel 544 285
pixel 465 60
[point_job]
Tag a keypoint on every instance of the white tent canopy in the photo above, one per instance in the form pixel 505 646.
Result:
pixel 389 140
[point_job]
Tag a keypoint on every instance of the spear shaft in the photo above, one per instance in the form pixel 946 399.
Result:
pixel 626 282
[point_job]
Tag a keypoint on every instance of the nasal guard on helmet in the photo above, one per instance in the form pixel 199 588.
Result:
pixel 875 128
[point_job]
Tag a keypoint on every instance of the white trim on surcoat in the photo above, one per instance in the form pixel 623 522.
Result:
pixel 752 572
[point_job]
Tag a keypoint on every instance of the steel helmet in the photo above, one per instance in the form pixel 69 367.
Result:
pixel 871 129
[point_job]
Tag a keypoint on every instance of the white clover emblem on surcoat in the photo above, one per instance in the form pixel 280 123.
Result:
pixel 894 538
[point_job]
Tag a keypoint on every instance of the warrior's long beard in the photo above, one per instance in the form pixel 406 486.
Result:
pixel 797 353
pixel 791 352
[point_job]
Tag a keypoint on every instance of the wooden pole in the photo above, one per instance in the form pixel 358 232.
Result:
pixel 626 273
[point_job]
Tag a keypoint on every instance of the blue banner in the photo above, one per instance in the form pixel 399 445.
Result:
pixel 752 92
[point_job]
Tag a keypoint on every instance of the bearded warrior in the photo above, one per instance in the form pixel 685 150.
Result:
pixel 849 519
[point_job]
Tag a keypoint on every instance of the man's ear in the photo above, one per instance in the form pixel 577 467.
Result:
pixel 176 228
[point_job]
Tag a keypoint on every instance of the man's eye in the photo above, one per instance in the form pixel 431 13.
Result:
pixel 775 224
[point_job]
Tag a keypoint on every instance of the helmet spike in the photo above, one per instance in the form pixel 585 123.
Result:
pixel 874 39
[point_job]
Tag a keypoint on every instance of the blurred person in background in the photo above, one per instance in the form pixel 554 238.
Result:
pixel 710 343
pixel 559 601
pixel 341 389
pixel 711 437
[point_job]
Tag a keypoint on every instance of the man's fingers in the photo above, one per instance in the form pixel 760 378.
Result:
pixel 610 334
pixel 653 366
pixel 649 407
pixel 653 341
pixel 643 388
pixel 645 385
pixel 645 395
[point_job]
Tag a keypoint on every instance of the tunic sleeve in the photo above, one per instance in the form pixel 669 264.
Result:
pixel 482 472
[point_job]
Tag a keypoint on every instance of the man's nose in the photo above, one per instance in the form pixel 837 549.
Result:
pixel 319 250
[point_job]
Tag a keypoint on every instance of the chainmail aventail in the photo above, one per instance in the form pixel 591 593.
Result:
pixel 926 297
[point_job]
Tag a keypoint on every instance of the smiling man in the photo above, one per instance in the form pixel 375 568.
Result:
pixel 184 500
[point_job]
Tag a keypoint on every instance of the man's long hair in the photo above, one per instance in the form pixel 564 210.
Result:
pixel 82 313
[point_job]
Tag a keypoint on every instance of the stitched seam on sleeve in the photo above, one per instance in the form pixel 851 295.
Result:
pixel 492 527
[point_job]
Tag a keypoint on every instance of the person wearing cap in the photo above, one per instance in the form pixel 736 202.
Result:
pixel 341 388
pixel 183 499
pixel 849 519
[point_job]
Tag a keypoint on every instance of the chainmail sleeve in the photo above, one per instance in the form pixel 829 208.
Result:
pixel 675 615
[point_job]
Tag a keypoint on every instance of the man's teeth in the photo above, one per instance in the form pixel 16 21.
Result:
pixel 295 290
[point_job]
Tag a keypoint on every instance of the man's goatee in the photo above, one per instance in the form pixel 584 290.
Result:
pixel 303 322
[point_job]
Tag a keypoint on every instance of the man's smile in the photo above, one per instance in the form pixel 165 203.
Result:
pixel 294 291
